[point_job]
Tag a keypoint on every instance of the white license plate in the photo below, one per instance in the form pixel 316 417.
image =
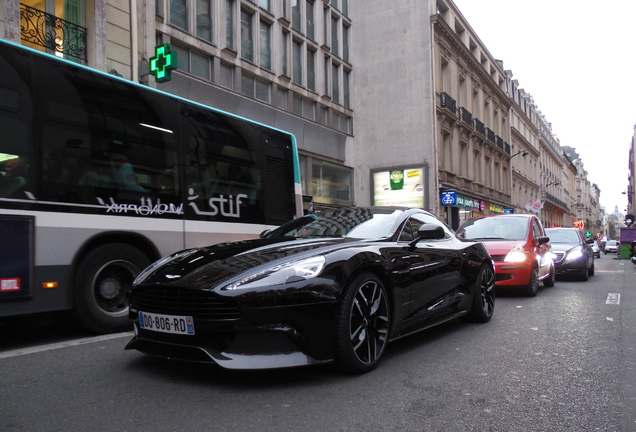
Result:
pixel 166 323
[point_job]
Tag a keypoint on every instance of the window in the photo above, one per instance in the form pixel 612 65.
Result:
pixel 298 65
pixel 204 19
pixel 296 15
pixel 285 11
pixel 309 109
pixel 282 98
pixel 298 105
pixel 285 53
pixel 335 87
pixel 265 45
pixel 334 35
pixel 329 180
pixel 262 90
pixel 326 74
pixel 184 57
pixel 345 43
pixel 255 88
pixel 346 76
pixel 200 65
pixel 179 14
pixel 311 70
pixel 345 7
pixel 227 76
pixel 229 24
pixel 309 12
pixel 247 38
pixel 264 4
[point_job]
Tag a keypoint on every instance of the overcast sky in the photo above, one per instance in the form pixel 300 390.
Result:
pixel 577 59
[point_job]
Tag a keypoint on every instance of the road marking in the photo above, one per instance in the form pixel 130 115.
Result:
pixel 613 299
pixel 49 347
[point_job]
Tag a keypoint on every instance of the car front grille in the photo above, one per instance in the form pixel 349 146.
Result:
pixel 498 258
pixel 558 256
pixel 182 301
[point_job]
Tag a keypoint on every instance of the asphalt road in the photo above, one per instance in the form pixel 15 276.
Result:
pixel 562 361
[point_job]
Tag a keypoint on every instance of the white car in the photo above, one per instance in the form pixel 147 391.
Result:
pixel 597 249
pixel 611 246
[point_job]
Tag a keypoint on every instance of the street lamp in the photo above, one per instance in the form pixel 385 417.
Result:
pixel 556 183
pixel 523 153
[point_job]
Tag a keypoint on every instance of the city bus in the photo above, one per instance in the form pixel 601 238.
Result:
pixel 100 177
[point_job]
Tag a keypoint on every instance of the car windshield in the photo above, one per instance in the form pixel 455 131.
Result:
pixel 495 228
pixel 348 222
pixel 562 236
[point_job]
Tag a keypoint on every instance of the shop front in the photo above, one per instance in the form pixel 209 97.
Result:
pixel 457 207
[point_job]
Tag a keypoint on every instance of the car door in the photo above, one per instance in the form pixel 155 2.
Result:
pixel 544 258
pixel 433 270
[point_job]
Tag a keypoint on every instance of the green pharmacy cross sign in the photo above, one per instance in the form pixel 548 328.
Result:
pixel 164 61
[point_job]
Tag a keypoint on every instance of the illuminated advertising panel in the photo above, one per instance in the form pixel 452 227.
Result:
pixel 401 187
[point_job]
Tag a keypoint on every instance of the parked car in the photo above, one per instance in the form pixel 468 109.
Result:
pixel 518 246
pixel 596 248
pixel 573 255
pixel 611 246
pixel 333 286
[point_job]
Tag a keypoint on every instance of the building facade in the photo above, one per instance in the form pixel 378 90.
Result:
pixel 396 103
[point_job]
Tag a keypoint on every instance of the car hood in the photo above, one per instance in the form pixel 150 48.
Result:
pixel 210 266
pixel 502 247
pixel 563 247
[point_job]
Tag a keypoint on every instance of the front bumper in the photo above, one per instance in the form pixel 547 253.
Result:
pixel 262 338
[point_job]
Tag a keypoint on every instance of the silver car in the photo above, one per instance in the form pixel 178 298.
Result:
pixel 611 246
pixel 597 249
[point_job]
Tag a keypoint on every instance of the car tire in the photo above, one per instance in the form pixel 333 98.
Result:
pixel 591 271
pixel 102 281
pixel 532 288
pixel 362 324
pixel 483 305
pixel 585 275
pixel 550 280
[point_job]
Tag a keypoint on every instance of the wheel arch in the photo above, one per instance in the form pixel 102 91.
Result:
pixel 138 241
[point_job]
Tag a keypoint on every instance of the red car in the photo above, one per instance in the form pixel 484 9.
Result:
pixel 519 248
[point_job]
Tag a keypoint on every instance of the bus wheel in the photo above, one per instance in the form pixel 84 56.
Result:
pixel 102 280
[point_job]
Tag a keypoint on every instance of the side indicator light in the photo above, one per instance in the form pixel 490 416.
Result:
pixel 48 285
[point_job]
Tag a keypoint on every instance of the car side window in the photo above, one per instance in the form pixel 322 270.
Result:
pixel 416 221
pixel 536 228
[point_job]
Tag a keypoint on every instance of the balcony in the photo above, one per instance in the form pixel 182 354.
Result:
pixel 448 102
pixel 479 126
pixel 465 116
pixel 490 135
pixel 55 35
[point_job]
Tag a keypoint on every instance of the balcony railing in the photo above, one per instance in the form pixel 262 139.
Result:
pixel 490 134
pixel 448 102
pixel 465 116
pixel 479 126
pixel 53 33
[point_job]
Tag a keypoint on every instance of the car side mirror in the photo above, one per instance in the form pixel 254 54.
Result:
pixel 428 232
pixel 543 240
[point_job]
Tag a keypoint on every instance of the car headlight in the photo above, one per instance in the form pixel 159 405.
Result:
pixel 281 274
pixel 574 254
pixel 517 255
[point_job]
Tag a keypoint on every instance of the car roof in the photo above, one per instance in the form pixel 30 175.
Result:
pixel 517 215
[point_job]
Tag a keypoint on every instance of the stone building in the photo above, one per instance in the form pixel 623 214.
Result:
pixel 373 91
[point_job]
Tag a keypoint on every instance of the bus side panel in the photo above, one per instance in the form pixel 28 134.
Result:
pixel 16 256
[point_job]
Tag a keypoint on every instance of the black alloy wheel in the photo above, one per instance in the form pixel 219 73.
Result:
pixel 362 326
pixel 484 296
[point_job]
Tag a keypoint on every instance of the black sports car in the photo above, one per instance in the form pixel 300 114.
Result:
pixel 333 286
